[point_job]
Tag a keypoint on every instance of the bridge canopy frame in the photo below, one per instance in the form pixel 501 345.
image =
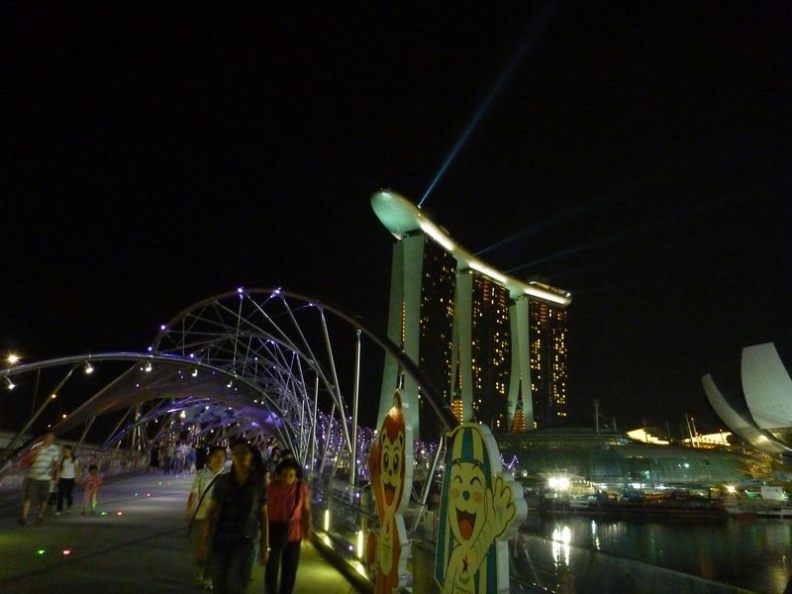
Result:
pixel 241 363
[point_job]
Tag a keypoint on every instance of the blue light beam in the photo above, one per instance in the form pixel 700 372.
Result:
pixel 617 236
pixel 529 40
pixel 623 191
pixel 569 214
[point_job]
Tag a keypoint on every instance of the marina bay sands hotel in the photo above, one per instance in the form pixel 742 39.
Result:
pixel 494 346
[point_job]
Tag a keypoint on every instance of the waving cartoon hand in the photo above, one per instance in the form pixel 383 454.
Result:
pixel 500 507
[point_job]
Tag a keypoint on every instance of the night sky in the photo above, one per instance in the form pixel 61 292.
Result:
pixel 156 155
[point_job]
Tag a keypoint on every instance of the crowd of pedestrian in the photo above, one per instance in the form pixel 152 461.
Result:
pixel 258 510
pixel 174 458
pixel 52 472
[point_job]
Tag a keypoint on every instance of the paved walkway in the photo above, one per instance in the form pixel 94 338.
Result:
pixel 136 543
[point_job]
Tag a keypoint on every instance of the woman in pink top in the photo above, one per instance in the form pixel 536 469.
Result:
pixel 289 511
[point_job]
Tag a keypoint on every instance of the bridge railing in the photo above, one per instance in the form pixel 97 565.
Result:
pixel 343 516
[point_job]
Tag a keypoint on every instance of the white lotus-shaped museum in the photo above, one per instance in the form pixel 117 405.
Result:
pixel 767 388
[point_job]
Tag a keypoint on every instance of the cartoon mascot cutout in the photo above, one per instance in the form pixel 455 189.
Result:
pixel 391 466
pixel 481 507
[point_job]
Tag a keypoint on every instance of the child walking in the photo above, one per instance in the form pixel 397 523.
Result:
pixel 53 490
pixel 91 485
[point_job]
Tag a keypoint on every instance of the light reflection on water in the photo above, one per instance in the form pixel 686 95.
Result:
pixel 752 554
pixel 562 537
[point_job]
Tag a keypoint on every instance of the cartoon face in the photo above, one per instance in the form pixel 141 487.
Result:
pixel 391 475
pixel 466 500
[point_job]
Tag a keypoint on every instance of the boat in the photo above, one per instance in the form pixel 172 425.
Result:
pixel 773 511
pixel 739 509
pixel 669 509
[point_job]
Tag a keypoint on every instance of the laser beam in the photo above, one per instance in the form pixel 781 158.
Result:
pixel 529 40
pixel 570 213
pixel 616 236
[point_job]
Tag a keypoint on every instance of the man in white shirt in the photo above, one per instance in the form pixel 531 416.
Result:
pixel 198 503
pixel 43 464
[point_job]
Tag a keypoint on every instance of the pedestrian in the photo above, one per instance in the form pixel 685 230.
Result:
pixel 198 504
pixel 43 466
pixel 289 511
pixel 68 469
pixel 200 456
pixel 178 458
pixel 53 490
pixel 170 452
pixel 91 485
pixel 154 458
pixel 236 522
pixel 190 459
pixel 275 457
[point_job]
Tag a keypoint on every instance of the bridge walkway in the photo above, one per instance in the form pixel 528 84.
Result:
pixel 136 543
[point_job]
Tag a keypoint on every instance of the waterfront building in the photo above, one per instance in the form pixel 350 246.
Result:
pixel 611 460
pixel 482 337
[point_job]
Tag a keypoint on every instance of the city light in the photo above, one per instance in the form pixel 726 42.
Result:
pixel 361 541
pixel 435 233
pixel 488 270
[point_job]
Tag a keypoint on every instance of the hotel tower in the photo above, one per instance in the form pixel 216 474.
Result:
pixel 495 347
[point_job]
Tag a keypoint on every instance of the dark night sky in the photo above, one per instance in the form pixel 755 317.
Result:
pixel 639 158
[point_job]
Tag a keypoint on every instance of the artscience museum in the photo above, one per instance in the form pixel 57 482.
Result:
pixel 762 415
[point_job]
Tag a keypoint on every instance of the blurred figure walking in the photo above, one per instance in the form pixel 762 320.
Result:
pixel 198 505
pixel 43 467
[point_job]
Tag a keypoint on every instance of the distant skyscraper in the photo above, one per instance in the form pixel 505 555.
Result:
pixel 483 344
pixel 547 335
pixel 489 340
